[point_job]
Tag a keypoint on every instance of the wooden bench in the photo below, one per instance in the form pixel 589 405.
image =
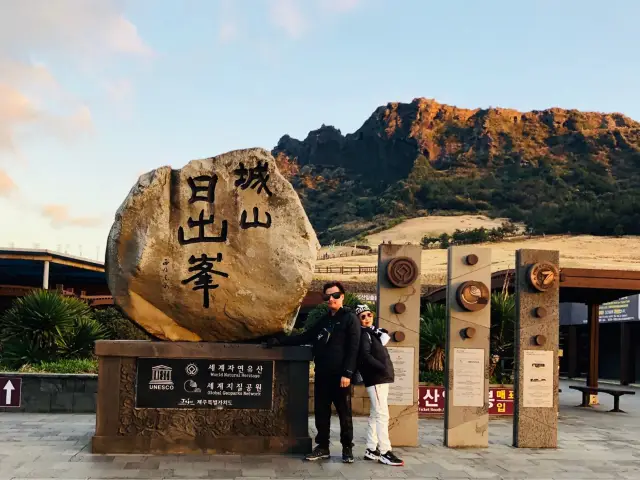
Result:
pixel 611 391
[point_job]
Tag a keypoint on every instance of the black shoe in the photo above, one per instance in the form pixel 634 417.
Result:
pixel 347 455
pixel 317 454
pixel 371 454
pixel 390 459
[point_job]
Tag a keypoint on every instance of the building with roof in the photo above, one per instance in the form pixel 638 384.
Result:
pixel 22 271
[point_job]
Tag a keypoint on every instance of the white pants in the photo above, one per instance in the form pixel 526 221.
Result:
pixel 378 427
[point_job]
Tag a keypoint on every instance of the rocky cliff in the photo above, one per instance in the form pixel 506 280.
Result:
pixel 556 170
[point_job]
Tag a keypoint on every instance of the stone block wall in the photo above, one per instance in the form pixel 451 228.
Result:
pixel 56 393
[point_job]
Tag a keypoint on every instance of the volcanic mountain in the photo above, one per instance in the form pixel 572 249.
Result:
pixel 557 171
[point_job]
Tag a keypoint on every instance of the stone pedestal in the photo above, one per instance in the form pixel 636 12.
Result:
pixel 201 398
pixel 398 309
pixel 535 421
pixel 466 420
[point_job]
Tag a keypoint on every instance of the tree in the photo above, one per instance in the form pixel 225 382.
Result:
pixel 119 327
pixel 433 337
pixel 502 336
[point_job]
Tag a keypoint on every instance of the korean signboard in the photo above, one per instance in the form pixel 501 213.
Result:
pixel 431 400
pixel 625 309
pixel 182 383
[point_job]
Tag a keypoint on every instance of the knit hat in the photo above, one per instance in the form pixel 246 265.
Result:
pixel 362 308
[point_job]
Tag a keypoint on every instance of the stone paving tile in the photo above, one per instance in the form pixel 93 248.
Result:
pixel 593 444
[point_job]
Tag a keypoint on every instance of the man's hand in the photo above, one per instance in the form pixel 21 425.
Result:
pixel 345 382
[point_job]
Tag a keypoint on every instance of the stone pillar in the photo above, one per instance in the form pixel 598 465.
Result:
pixel 535 421
pixel 45 276
pixel 593 323
pixel 466 416
pixel 398 308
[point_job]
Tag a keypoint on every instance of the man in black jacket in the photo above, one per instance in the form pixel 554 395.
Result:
pixel 336 340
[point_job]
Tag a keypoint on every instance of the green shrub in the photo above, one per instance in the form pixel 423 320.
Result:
pixel 85 365
pixel 45 326
pixel 118 326
pixel 432 377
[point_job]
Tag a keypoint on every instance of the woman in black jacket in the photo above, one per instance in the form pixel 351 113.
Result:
pixel 376 369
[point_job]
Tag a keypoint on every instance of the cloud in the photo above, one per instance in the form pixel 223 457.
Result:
pixel 72 27
pixel 339 6
pixel 228 31
pixel 7 185
pixel 294 17
pixel 119 90
pixel 70 34
pixel 60 217
pixel 287 15
pixel 19 113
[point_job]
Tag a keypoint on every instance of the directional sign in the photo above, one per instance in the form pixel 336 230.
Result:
pixel 10 392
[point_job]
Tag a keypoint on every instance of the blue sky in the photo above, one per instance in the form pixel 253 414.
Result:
pixel 92 94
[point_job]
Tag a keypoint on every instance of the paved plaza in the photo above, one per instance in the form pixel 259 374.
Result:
pixel 593 444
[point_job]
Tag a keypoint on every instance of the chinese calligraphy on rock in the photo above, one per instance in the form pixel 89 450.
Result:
pixel 202 229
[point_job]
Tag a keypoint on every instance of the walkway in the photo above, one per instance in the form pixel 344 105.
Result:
pixel 594 444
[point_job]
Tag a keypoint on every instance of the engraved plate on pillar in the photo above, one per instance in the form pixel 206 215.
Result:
pixel 468 377
pixel 402 390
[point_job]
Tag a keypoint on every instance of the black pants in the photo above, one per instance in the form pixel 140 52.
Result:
pixel 328 391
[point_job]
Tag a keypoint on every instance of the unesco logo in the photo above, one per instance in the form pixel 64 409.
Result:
pixel 191 369
pixel 161 378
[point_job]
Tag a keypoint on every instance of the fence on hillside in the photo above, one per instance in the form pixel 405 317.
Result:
pixel 353 253
pixel 347 270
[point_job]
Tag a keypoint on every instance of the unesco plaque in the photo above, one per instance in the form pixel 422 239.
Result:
pixel 195 383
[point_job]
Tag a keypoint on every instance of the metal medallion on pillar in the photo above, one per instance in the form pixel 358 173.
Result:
pixel 466 413
pixel 398 308
pixel 535 422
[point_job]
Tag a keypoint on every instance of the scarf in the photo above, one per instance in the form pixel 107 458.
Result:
pixel 381 333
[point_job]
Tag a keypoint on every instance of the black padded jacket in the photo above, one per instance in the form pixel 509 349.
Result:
pixel 374 363
pixel 335 340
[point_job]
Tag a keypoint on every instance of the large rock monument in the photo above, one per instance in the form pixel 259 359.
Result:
pixel 209 258
pixel 220 250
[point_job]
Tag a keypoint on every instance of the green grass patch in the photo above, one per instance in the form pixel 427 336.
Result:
pixel 88 365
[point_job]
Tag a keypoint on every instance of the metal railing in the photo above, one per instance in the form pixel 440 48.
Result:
pixel 347 270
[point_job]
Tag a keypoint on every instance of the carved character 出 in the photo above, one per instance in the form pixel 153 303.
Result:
pixel 201 223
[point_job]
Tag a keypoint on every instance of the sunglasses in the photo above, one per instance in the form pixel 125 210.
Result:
pixel 335 295
pixel 366 315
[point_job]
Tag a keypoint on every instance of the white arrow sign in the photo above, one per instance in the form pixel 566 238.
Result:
pixel 9 388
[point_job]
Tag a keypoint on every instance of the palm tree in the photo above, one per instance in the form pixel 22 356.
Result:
pixel 433 337
pixel 45 326
pixel 503 316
